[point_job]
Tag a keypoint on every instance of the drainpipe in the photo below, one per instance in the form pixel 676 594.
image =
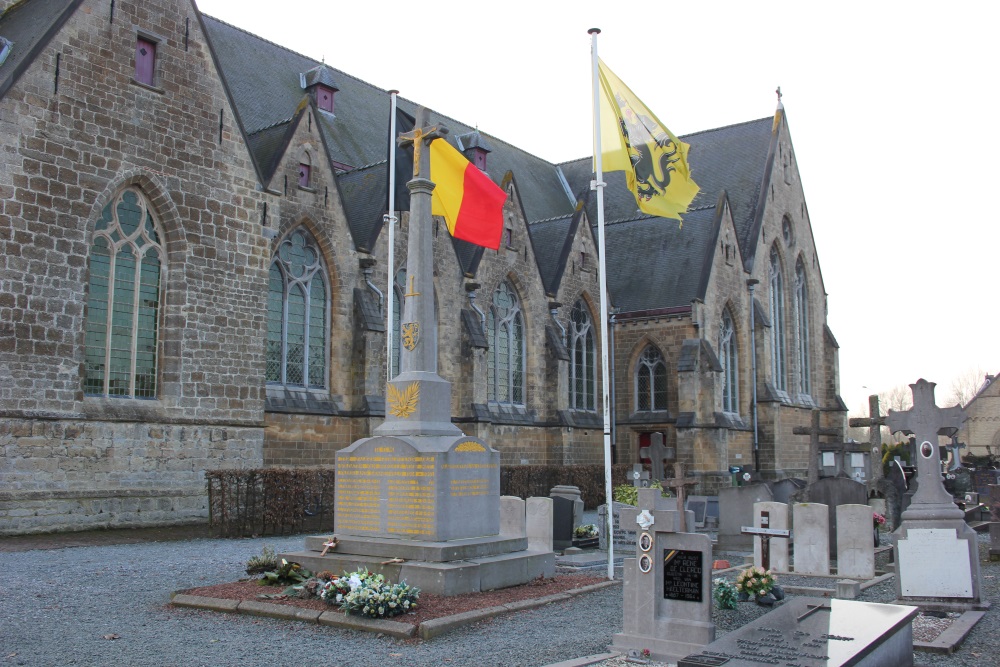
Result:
pixel 751 285
pixel 611 356
pixel 367 265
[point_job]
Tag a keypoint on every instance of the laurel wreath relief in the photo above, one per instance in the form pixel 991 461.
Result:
pixel 403 403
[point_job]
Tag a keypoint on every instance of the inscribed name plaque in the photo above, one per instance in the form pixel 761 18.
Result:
pixel 921 555
pixel 386 487
pixel 817 632
pixel 682 575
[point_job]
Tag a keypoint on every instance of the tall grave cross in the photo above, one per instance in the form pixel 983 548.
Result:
pixel 679 484
pixel 814 432
pixel 656 452
pixel 874 422
pixel 925 420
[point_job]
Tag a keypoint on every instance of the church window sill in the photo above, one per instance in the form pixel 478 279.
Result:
pixel 158 91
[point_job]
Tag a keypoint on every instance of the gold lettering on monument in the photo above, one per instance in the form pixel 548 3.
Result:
pixel 403 486
pixel 470 446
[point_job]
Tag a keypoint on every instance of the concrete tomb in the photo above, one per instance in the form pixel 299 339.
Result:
pixel 937 553
pixel 855 542
pixel 812 539
pixel 817 632
pixel 668 585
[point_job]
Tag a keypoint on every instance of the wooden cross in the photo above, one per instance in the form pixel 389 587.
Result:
pixel 679 484
pixel 926 421
pixel 874 423
pixel 814 432
pixel 422 135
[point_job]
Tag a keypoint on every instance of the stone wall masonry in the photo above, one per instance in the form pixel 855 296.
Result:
pixel 73 475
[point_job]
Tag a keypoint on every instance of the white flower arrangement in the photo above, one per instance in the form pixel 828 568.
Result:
pixel 367 594
pixel 755 581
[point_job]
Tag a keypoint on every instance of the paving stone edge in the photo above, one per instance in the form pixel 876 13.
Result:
pixel 428 629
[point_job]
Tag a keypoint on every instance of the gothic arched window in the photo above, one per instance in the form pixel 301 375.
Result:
pixel 582 376
pixel 123 300
pixel 730 364
pixel 397 317
pixel 505 332
pixel 778 352
pixel 651 381
pixel 297 330
pixel 802 326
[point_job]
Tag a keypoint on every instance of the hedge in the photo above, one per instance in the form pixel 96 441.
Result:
pixel 285 501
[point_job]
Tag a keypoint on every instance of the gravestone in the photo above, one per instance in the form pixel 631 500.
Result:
pixel 419 492
pixel 538 524
pixel 771 551
pixel 699 506
pixel 562 523
pixel 623 537
pixel 845 459
pixel 656 452
pixel 783 489
pixel 855 542
pixel 816 632
pixel 512 516
pixel 735 511
pixel 640 476
pixel 810 521
pixel 668 586
pixel 983 479
pixel 833 492
pixel 937 553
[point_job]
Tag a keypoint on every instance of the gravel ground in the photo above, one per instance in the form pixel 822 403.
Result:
pixel 58 605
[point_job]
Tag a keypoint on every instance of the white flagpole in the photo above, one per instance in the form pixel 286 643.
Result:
pixel 598 184
pixel 390 219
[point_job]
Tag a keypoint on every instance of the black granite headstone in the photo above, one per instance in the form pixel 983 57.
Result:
pixel 562 523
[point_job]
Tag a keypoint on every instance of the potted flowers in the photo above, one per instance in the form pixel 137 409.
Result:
pixel 757 582
pixel 878 522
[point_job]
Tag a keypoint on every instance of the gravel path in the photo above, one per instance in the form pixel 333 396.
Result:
pixel 57 606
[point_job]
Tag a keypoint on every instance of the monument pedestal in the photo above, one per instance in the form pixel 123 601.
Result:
pixel 937 565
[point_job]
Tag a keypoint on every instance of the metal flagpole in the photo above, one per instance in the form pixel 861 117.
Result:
pixel 598 184
pixel 390 219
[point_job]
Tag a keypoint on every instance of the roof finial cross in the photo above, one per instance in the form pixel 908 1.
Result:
pixel 778 93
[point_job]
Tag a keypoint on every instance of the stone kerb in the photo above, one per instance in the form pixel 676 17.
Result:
pixel 855 542
pixel 812 538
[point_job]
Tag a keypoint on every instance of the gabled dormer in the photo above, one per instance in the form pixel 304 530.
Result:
pixel 320 85
pixel 475 148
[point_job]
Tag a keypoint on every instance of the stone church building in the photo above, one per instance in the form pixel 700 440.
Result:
pixel 194 276
pixel 981 430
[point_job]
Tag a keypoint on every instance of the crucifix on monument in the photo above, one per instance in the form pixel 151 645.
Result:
pixel 925 420
pixel 874 423
pixel 814 432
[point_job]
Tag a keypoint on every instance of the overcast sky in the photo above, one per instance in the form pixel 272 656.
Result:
pixel 892 108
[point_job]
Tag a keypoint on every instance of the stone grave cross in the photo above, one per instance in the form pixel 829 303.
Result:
pixel 874 422
pixel 814 432
pixel 956 454
pixel 656 452
pixel 925 420
pixel 640 477
pixel 679 484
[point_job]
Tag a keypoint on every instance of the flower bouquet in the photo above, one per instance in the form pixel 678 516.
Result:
pixel 755 581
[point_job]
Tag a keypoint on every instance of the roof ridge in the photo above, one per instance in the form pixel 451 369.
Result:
pixel 552 219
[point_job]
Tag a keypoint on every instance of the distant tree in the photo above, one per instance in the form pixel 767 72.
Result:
pixel 965 386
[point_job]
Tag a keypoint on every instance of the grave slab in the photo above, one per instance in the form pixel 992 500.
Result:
pixel 812 539
pixel 855 542
pixel 815 632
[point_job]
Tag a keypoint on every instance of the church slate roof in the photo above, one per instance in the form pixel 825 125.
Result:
pixel 29 26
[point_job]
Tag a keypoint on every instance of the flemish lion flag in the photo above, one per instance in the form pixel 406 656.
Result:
pixel 653 159
pixel 469 201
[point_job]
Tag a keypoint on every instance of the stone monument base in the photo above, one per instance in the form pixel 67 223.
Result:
pixel 937 565
pixel 440 568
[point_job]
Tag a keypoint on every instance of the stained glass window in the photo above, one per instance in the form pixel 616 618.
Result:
pixel 651 381
pixel 505 361
pixel 730 364
pixel 297 320
pixel 778 353
pixel 802 326
pixel 123 300
pixel 583 378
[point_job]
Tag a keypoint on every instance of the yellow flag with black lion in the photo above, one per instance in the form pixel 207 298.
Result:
pixel 653 159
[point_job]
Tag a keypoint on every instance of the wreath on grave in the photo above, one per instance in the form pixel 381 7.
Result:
pixel 755 581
